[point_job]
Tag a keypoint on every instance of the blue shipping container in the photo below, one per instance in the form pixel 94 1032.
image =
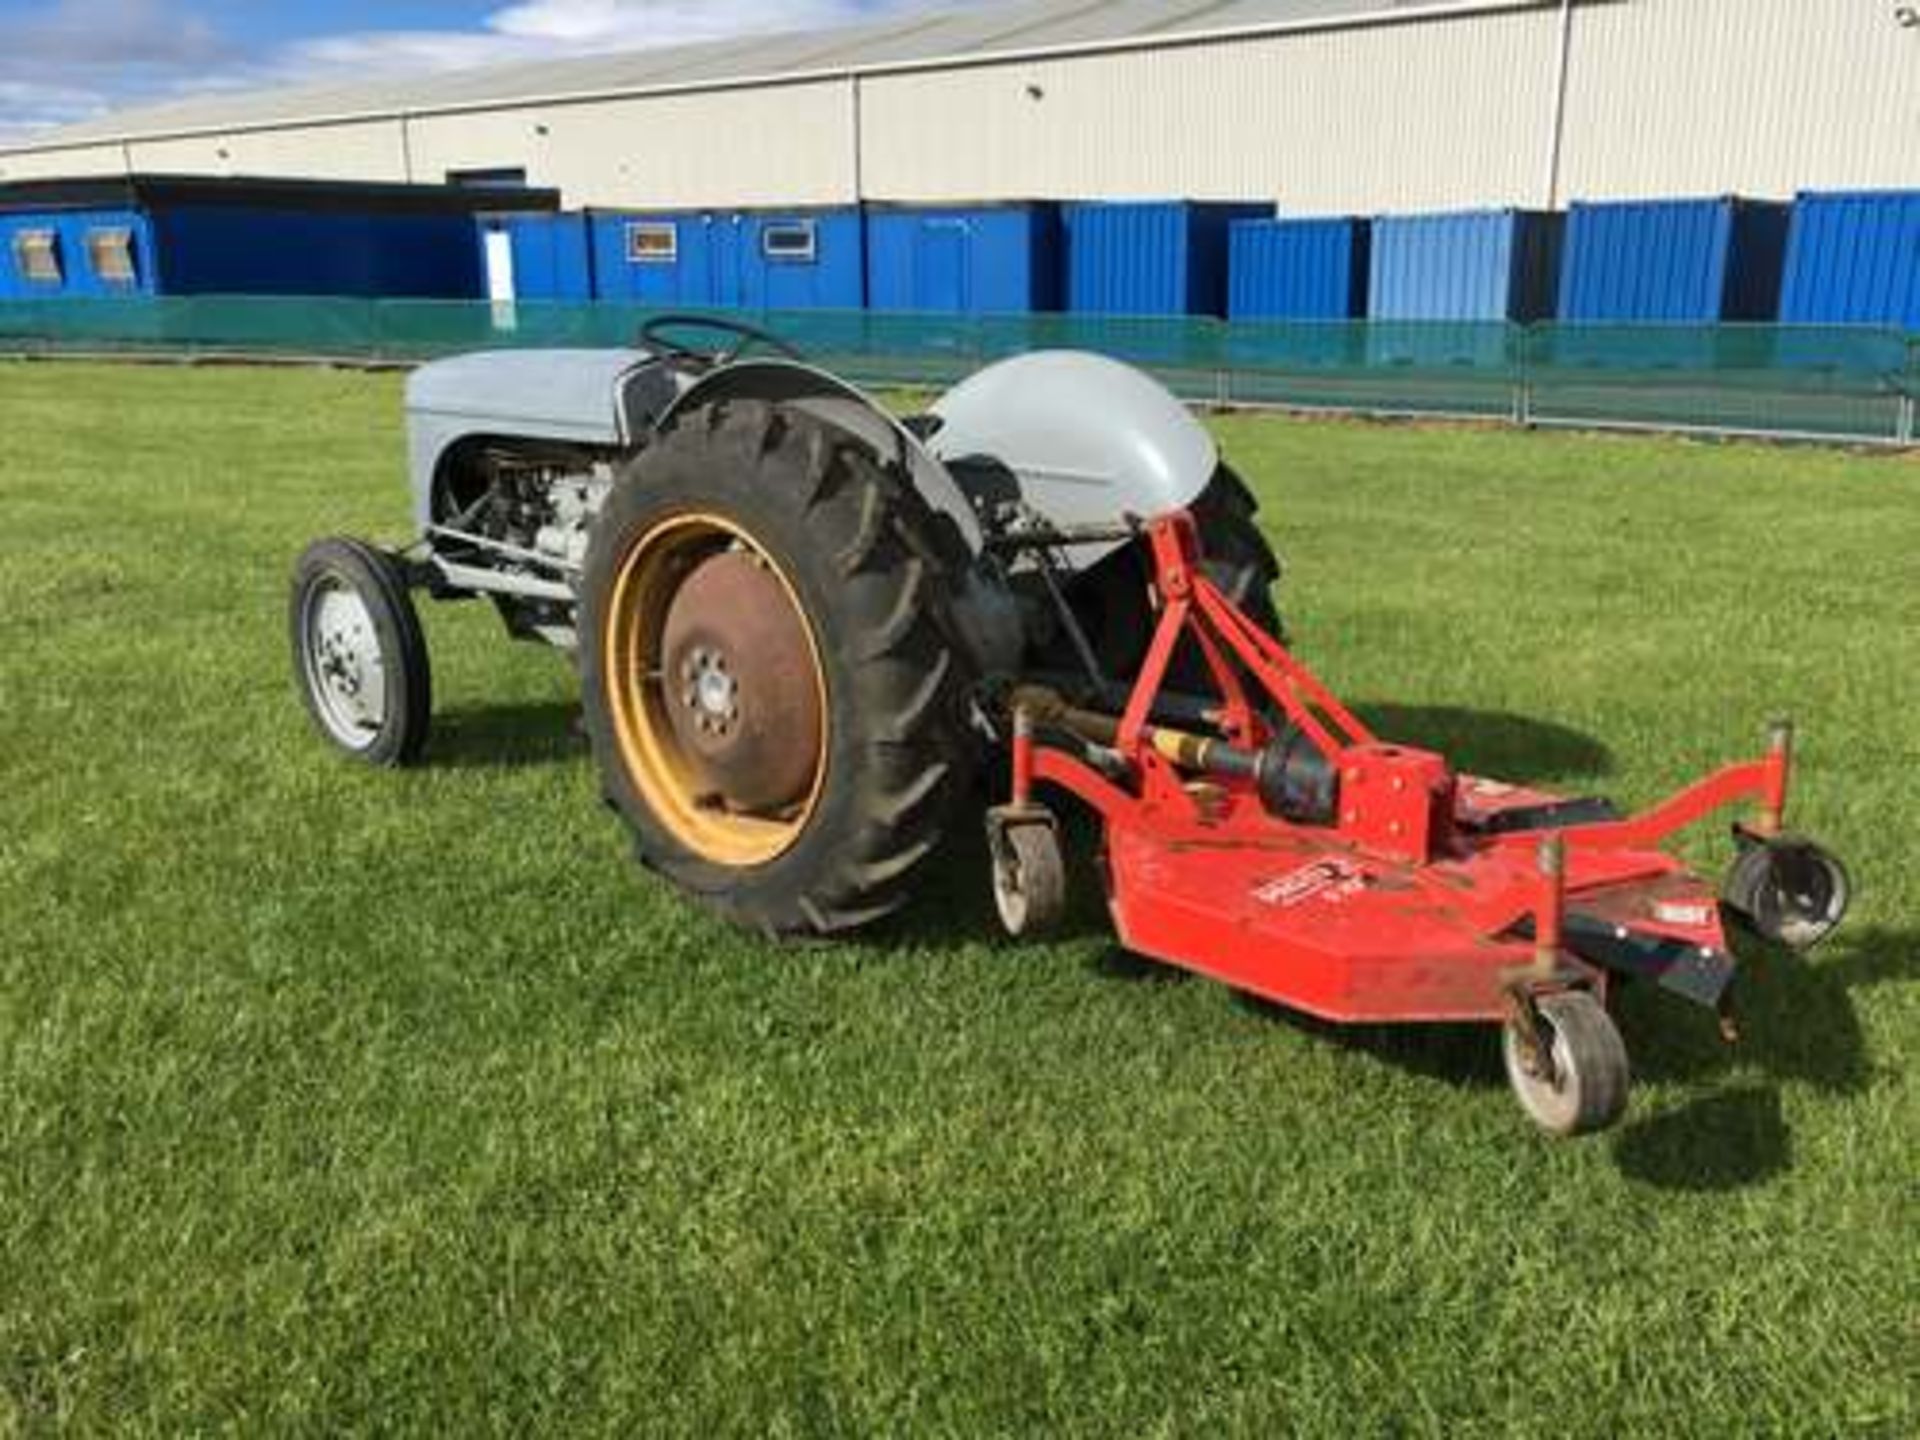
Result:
pixel 728 260
pixel 91 253
pixel 964 260
pixel 1158 257
pixel 1465 265
pixel 1854 259
pixel 536 257
pixel 194 235
pixel 1686 261
pixel 1297 270
pixel 235 250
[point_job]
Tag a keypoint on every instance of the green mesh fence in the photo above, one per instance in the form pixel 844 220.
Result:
pixel 1838 381
pixel 1854 383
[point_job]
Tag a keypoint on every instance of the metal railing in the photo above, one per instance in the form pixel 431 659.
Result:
pixel 1843 383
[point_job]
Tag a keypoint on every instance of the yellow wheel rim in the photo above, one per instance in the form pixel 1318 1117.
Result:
pixel 646 579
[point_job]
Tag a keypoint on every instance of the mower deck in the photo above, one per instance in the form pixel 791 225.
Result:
pixel 1347 936
pixel 1284 849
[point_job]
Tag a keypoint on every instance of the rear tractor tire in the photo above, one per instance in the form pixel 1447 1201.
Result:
pixel 774 707
pixel 359 655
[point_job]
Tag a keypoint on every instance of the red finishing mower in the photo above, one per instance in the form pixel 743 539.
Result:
pixel 1293 854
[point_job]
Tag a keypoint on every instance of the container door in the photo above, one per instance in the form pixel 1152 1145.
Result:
pixel 500 286
pixel 940 269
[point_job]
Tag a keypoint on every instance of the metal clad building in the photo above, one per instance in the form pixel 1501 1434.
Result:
pixel 1325 106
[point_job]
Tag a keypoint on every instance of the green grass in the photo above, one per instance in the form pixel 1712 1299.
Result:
pixel 340 1101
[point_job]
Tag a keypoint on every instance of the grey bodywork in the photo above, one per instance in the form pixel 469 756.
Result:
pixel 1086 439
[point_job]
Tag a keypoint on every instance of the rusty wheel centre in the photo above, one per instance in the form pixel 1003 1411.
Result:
pixel 719 697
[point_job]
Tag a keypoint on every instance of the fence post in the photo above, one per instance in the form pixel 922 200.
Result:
pixel 1910 396
pixel 1222 370
pixel 1521 337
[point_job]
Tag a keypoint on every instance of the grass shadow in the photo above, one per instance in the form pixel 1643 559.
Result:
pixel 1491 742
pixel 1721 1142
pixel 1798 1014
pixel 1115 963
pixel 506 737
pixel 1466 1057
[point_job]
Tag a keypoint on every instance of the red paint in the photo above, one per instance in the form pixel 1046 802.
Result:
pixel 1401 909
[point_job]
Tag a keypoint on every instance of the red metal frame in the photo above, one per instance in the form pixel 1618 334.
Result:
pixel 1406 906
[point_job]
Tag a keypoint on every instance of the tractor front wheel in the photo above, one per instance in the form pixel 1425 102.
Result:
pixel 359 656
pixel 773 705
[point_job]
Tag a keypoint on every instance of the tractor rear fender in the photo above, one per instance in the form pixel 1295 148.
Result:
pixel 787 382
pixel 1086 440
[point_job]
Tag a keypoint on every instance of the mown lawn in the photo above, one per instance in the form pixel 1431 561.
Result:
pixel 336 1101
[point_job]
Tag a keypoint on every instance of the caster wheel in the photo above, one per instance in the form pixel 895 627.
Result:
pixel 1573 1081
pixel 359 656
pixel 1789 890
pixel 1029 877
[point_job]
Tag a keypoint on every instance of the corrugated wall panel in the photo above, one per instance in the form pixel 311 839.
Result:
pixel 370 151
pixel 1686 261
pixel 1297 270
pixel 1426 114
pixel 981 260
pixel 69 162
pixel 1646 260
pixel 1468 265
pixel 1164 257
pixel 1854 259
pixel 784 145
pixel 721 261
pixel 1740 97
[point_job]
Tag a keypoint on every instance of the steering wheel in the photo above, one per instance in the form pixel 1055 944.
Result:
pixel 656 334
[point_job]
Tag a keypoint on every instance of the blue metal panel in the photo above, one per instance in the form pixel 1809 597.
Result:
pixel 1297 269
pixel 233 250
pixel 833 277
pixel 723 260
pixel 1854 259
pixel 72 230
pixel 1161 257
pixel 638 274
pixel 982 260
pixel 1465 265
pixel 1689 261
pixel 552 254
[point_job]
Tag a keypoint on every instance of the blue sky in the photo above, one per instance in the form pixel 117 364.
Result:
pixel 67 60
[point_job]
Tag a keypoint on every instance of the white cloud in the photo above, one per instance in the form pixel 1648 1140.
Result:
pixel 77 58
